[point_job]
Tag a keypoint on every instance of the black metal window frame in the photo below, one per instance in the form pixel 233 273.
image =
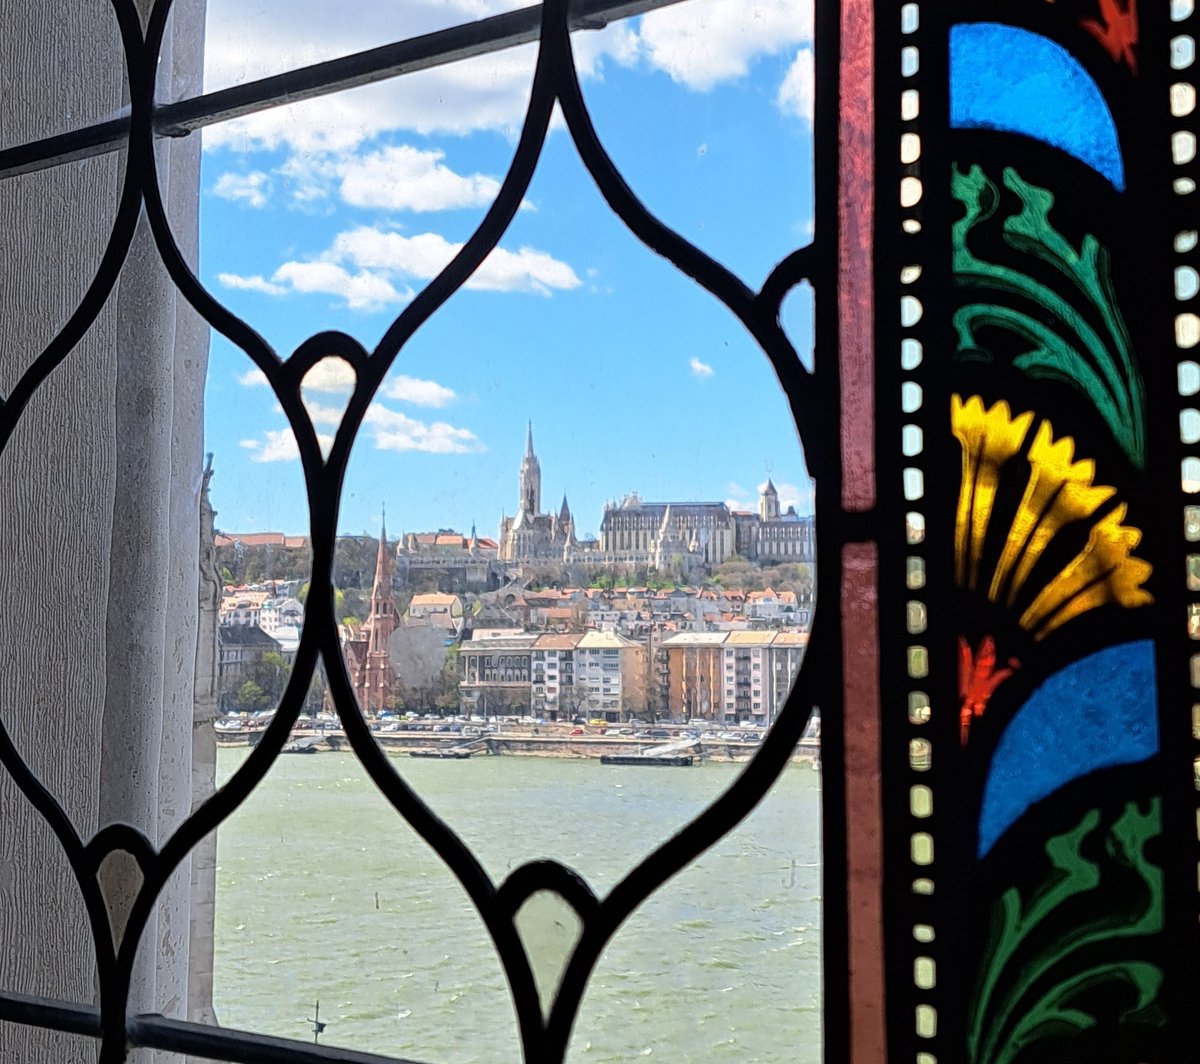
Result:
pixel 811 399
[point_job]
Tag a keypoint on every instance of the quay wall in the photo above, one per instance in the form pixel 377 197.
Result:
pixel 525 745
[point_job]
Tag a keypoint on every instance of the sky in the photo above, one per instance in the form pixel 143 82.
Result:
pixel 334 213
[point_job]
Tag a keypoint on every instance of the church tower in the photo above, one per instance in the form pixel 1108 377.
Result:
pixel 531 477
pixel 768 502
pixel 378 677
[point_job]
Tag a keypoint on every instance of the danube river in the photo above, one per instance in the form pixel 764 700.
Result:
pixel 324 893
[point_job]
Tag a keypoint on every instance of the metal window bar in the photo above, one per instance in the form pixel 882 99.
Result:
pixel 465 41
pixel 182 1036
pixel 810 399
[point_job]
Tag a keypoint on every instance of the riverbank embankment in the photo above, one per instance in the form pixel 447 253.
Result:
pixel 518 744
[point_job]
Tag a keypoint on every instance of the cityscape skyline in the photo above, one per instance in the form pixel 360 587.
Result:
pixel 738 497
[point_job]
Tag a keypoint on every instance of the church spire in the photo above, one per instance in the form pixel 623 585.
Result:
pixel 374 686
pixel 382 585
pixel 530 477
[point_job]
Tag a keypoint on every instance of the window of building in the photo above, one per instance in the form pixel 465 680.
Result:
pixel 277 172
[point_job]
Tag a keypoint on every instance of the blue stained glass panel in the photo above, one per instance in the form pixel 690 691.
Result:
pixel 1009 79
pixel 1097 712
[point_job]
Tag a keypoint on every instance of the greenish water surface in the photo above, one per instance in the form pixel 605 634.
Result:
pixel 324 892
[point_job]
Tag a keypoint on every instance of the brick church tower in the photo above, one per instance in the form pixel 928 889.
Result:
pixel 376 679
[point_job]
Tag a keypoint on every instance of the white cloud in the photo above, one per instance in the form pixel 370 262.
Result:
pixel 704 42
pixel 246 41
pixel 796 93
pixel 379 258
pixel 699 44
pixel 250 284
pixel 418 392
pixel 492 93
pixel 279 445
pixel 406 178
pixel 334 376
pixel 423 256
pixel 700 369
pixel 253 378
pixel 364 290
pixel 324 415
pixel 394 431
pixel 253 189
pixel 398 177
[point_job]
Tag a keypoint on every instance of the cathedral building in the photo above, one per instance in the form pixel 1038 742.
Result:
pixel 531 535
pixel 681 537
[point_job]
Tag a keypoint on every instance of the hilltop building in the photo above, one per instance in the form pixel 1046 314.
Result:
pixel 436 610
pixel 450 559
pixel 683 537
pixel 664 533
pixel 773 536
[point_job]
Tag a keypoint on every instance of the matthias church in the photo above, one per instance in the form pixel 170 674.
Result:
pixel 685 537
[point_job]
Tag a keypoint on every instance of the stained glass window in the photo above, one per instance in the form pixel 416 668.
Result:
pixel 1031 269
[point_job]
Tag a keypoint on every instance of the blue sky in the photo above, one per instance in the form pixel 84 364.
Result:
pixel 333 213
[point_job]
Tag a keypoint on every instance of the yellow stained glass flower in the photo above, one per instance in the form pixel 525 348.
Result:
pixel 1059 493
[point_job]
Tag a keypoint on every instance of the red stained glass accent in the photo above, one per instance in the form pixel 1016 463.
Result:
pixel 978 679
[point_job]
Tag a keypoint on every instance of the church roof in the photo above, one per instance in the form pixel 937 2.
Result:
pixel 657 509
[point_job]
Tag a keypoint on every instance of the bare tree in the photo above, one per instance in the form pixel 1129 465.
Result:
pixel 418 652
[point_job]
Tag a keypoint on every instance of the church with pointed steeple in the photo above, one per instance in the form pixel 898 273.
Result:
pixel 681 537
pixel 530 535
pixel 371 670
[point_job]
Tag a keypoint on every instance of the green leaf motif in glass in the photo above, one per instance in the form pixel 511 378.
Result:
pixel 1062 344
pixel 1025 995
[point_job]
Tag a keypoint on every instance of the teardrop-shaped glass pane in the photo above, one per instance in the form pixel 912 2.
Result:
pixel 549 928
pixel 599 545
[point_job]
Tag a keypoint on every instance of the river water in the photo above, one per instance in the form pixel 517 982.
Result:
pixel 324 893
